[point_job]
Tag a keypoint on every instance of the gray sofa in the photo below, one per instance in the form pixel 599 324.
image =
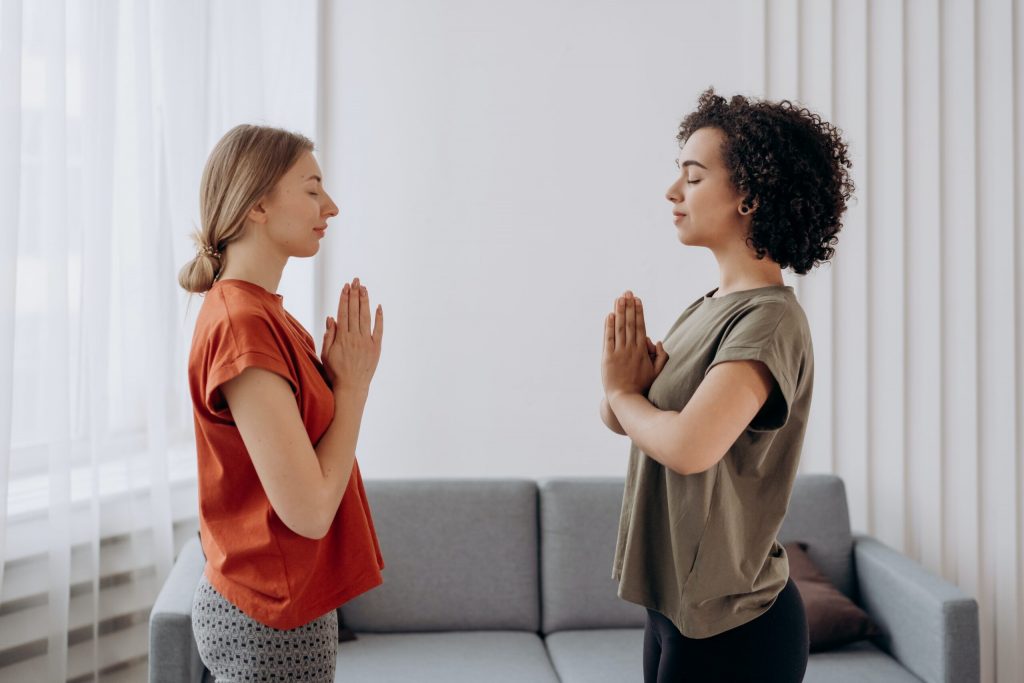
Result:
pixel 509 581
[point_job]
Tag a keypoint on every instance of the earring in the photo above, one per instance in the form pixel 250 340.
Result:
pixel 744 209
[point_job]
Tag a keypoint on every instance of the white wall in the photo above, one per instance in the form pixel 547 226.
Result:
pixel 500 169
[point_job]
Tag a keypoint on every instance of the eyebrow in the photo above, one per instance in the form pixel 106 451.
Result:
pixel 691 162
pixel 315 177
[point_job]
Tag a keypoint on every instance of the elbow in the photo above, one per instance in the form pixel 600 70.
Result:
pixel 318 530
pixel 314 530
pixel 609 419
pixel 683 461
pixel 687 462
pixel 308 521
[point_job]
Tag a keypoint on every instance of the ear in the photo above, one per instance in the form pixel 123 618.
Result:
pixel 748 207
pixel 258 213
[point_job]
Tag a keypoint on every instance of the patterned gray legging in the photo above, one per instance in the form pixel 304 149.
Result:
pixel 237 648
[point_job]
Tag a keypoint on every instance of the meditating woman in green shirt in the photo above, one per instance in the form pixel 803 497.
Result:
pixel 717 412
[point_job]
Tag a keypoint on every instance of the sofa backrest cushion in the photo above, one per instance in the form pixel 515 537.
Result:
pixel 458 555
pixel 579 524
pixel 579 521
pixel 818 515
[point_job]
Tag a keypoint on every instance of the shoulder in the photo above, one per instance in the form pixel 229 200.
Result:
pixel 765 319
pixel 783 307
pixel 230 307
pixel 232 321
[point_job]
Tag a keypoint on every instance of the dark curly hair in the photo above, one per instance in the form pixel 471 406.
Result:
pixel 792 163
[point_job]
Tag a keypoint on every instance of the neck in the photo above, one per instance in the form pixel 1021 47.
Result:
pixel 739 269
pixel 245 260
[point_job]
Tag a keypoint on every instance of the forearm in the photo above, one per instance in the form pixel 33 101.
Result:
pixel 336 449
pixel 654 431
pixel 609 419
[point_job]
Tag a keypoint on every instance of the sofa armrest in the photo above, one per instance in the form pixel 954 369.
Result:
pixel 929 625
pixel 173 655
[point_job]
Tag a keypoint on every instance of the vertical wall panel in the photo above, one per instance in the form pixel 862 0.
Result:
pixel 784 68
pixel 959 423
pixel 886 216
pixel 815 31
pixel 1000 534
pixel 783 79
pixel 1018 117
pixel 850 264
pixel 923 151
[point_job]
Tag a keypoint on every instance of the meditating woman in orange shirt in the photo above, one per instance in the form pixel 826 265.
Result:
pixel 283 517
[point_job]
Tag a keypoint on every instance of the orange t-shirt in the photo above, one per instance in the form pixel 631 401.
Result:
pixel 272 574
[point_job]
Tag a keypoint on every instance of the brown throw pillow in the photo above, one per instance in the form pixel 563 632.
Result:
pixel 832 619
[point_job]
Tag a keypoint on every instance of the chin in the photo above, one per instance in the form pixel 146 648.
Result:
pixel 684 237
pixel 690 240
pixel 312 250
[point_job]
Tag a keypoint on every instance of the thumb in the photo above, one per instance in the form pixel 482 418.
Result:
pixel 651 348
pixel 660 359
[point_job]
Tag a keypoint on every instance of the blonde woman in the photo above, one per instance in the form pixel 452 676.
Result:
pixel 283 517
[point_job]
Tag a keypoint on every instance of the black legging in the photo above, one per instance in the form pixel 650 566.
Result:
pixel 770 649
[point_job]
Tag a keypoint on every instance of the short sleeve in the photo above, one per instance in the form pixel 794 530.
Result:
pixel 242 340
pixel 766 333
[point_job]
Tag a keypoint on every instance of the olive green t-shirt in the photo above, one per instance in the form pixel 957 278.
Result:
pixel 702 548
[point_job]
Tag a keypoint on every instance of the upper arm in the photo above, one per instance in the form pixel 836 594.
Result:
pixel 729 398
pixel 264 410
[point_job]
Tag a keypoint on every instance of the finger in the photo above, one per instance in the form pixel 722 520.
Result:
pixel 343 308
pixel 378 326
pixel 352 322
pixel 630 319
pixel 329 337
pixel 609 333
pixel 641 326
pixel 620 323
pixel 364 311
pixel 327 340
pixel 651 348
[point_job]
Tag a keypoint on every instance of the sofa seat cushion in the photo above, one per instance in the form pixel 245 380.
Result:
pixel 598 655
pixel 445 657
pixel 856 662
pixel 616 656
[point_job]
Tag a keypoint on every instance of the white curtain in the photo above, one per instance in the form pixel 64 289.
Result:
pixel 107 112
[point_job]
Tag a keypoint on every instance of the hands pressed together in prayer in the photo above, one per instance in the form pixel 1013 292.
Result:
pixel 630 361
pixel 351 348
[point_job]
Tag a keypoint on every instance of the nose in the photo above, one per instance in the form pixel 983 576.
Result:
pixel 675 191
pixel 331 207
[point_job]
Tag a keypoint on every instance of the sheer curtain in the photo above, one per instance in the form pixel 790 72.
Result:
pixel 107 112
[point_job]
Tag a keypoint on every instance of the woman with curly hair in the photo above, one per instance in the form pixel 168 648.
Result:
pixel 717 411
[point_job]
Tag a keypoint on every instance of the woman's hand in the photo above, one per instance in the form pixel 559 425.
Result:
pixel 630 361
pixel 351 350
